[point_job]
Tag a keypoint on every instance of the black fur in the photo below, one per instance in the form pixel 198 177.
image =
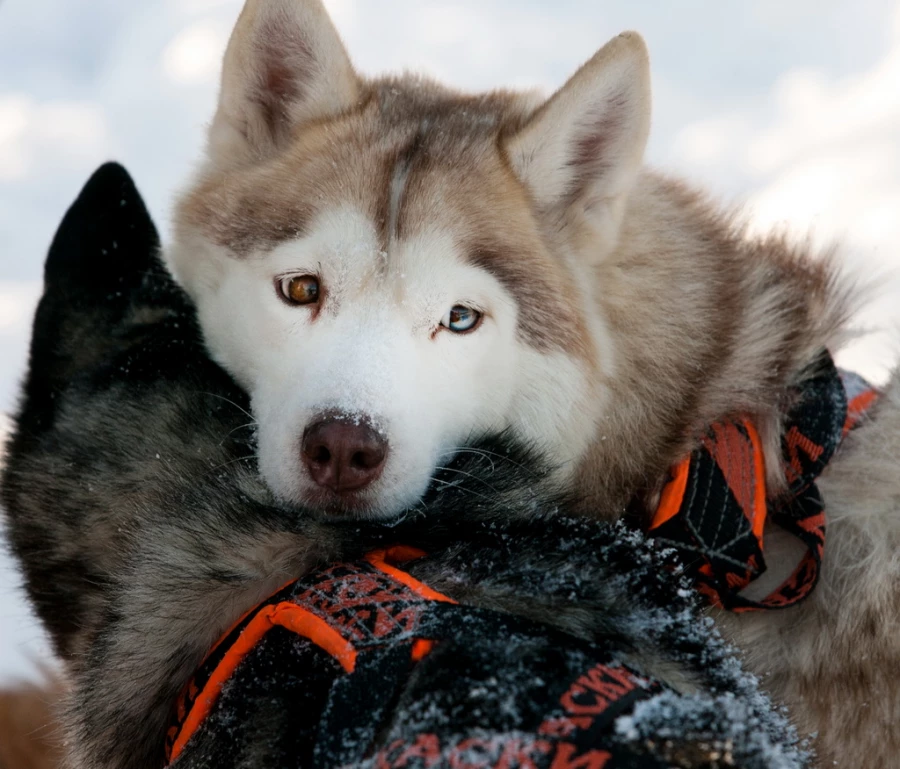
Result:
pixel 134 507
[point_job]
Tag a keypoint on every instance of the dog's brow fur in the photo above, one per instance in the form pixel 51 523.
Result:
pixel 352 156
pixel 233 212
pixel 547 317
pixel 399 180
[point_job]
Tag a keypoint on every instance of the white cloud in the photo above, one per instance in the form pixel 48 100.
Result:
pixel 712 141
pixel 193 7
pixel 17 302
pixel 830 164
pixel 841 192
pixel 61 134
pixel 14 114
pixel 195 55
pixel 345 14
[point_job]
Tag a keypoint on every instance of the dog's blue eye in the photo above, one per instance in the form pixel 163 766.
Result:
pixel 461 319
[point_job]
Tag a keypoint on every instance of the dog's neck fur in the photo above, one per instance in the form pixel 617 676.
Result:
pixel 715 325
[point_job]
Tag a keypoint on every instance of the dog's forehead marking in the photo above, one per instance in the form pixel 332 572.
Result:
pixel 399 179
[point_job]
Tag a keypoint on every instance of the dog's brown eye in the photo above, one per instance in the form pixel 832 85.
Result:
pixel 461 319
pixel 300 289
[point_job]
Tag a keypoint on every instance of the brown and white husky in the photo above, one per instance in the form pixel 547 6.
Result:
pixel 391 267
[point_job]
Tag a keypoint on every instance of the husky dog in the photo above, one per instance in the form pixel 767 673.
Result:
pixel 390 267
pixel 136 509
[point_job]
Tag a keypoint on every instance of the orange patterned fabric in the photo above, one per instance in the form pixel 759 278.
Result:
pixel 715 506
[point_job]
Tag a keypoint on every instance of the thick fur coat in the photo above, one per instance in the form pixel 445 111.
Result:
pixel 136 509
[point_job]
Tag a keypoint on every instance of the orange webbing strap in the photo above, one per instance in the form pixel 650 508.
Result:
pixel 382 560
pixel 303 610
pixel 286 615
pixel 714 510
pixel 737 452
pixel 672 497
pixel 858 408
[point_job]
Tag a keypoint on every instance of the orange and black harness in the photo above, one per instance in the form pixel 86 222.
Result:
pixel 377 622
pixel 715 507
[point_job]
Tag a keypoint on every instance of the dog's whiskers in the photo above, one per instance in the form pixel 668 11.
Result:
pixel 487 454
pixel 232 461
pixel 230 402
pixel 458 483
pixel 254 423
pixel 475 452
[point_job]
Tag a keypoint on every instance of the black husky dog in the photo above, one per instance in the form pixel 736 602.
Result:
pixel 134 507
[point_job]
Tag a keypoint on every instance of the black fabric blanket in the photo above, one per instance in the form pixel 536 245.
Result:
pixel 136 512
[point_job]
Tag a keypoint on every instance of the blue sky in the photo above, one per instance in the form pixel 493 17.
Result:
pixel 790 109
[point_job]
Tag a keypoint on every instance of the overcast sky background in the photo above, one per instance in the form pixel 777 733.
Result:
pixel 792 109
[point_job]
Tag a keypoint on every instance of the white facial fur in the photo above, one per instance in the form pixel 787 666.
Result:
pixel 376 350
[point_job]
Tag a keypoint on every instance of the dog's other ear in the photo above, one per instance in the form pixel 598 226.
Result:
pixel 102 278
pixel 285 65
pixel 106 240
pixel 580 152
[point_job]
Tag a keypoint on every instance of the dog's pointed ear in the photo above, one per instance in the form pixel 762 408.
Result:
pixel 581 151
pixel 285 65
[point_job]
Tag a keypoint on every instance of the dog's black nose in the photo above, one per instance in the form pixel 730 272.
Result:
pixel 343 455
